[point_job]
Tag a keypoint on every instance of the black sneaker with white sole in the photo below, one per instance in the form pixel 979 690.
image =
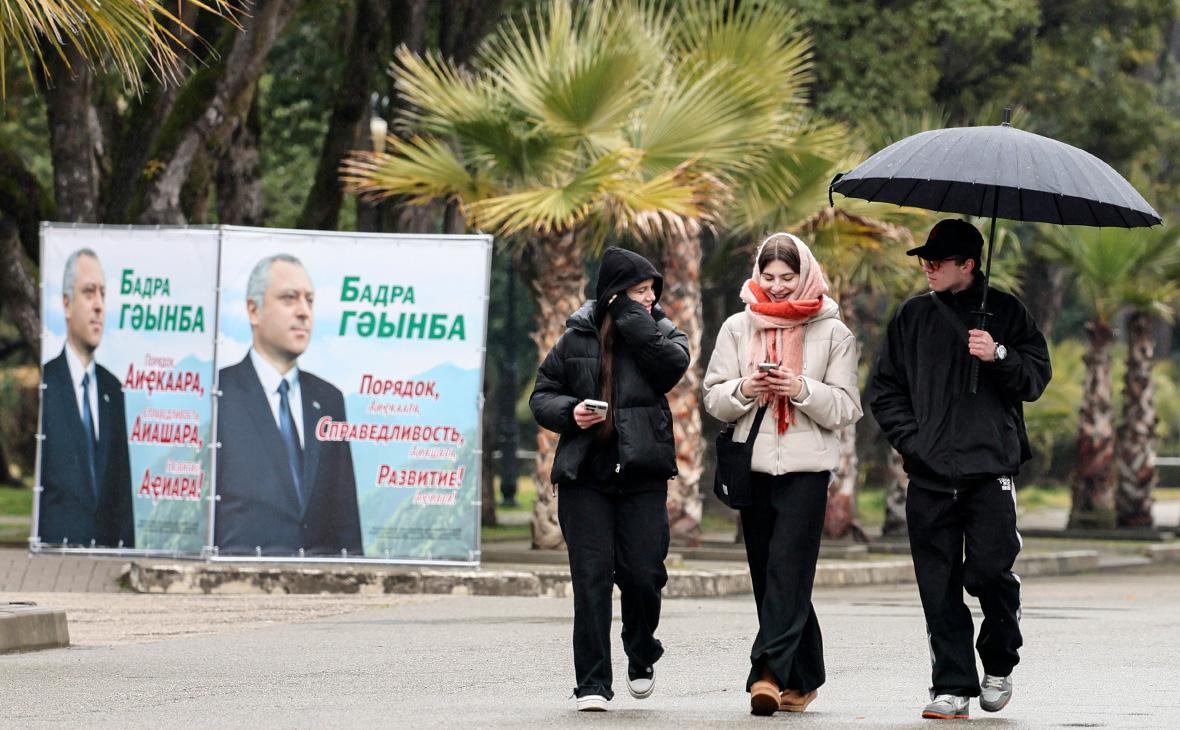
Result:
pixel 641 681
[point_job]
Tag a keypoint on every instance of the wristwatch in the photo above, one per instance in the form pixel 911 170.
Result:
pixel 1001 351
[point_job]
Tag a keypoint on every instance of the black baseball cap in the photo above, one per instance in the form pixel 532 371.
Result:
pixel 950 237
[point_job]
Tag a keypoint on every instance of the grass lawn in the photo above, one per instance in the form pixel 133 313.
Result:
pixel 16 502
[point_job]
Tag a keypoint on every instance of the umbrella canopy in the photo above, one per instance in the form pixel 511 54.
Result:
pixel 1000 172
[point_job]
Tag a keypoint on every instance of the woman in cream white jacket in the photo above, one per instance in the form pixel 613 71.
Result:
pixel 810 395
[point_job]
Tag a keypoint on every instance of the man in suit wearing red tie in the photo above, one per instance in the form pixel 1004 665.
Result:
pixel 280 489
pixel 85 465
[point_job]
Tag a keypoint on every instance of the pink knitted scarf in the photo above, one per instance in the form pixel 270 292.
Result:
pixel 778 326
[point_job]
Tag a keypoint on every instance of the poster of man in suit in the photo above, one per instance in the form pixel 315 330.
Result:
pixel 350 369
pixel 127 356
pixel 281 490
pixel 86 470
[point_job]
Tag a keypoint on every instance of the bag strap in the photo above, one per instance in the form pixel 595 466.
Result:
pixel 956 323
pixel 757 425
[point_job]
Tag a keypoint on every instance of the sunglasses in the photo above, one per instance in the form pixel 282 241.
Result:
pixel 928 265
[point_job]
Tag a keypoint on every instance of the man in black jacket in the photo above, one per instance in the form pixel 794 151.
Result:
pixel 962 452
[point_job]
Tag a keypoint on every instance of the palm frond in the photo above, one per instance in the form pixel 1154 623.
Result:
pixel 439 93
pixel 420 168
pixel 1107 263
pixel 555 206
pixel 698 118
pixel 859 252
pixel 123 35
pixel 763 40
pixel 575 70
pixel 674 202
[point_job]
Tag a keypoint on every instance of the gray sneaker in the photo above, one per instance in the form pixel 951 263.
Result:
pixel 997 691
pixel 948 707
pixel 641 682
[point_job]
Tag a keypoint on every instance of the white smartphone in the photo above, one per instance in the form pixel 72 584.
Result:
pixel 766 367
pixel 598 406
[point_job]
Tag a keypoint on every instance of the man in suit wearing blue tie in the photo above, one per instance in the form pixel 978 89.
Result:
pixel 279 488
pixel 85 465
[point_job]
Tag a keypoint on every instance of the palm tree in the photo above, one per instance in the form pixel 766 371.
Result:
pixel 1150 294
pixel 759 162
pixel 123 35
pixel 565 128
pixel 1109 266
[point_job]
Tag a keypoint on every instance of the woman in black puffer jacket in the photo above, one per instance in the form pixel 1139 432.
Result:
pixel 613 470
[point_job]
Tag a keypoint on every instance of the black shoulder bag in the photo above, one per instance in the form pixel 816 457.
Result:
pixel 731 480
pixel 1017 408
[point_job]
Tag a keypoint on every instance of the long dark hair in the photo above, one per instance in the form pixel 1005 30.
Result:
pixel 606 367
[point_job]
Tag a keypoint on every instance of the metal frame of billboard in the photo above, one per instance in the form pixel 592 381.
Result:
pixel 209 552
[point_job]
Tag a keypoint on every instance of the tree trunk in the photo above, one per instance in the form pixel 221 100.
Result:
pixel 75 138
pixel 1137 474
pixel 350 110
pixel 840 517
pixel 553 268
pixel 18 293
pixel 22 200
pixel 895 494
pixel 508 392
pixel 487 465
pixel 1045 297
pixel 231 98
pixel 681 301
pixel 462 25
pixel 1093 484
pixel 239 173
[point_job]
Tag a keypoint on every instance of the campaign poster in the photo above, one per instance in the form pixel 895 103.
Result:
pixel 349 377
pixel 127 375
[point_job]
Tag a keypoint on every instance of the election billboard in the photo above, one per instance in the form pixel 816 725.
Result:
pixel 349 378
pixel 125 457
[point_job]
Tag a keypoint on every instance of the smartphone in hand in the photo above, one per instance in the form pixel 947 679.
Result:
pixel 598 406
pixel 766 367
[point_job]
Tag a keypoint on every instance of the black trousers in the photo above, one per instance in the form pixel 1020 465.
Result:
pixel 782 530
pixel 967 539
pixel 614 539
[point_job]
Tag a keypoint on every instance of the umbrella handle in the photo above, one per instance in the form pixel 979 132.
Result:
pixel 973 374
pixel 831 185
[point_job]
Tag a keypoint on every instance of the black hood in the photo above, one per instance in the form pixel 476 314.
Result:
pixel 622 269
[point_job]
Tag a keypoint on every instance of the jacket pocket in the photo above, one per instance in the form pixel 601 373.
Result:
pixel 646 444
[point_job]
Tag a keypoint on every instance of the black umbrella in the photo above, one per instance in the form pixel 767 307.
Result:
pixel 1002 172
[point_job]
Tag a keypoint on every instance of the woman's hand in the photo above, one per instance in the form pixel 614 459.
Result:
pixel 785 382
pixel 755 385
pixel 585 418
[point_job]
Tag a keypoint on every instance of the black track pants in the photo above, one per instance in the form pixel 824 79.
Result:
pixel 614 539
pixel 967 540
pixel 782 531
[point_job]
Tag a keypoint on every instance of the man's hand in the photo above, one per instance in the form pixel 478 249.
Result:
pixel 585 418
pixel 981 345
